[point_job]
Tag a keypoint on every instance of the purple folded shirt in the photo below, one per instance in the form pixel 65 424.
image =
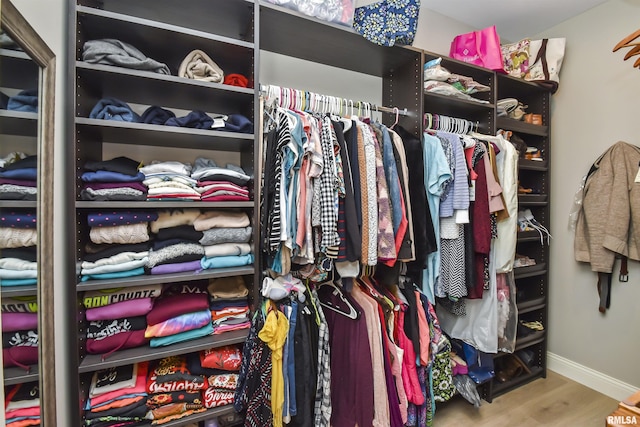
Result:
pixel 130 308
pixel 20 182
pixel 110 185
pixel 180 267
pixel 19 321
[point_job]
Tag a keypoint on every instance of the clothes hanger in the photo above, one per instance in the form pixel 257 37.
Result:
pixel 352 313
pixel 626 42
pixel 397 112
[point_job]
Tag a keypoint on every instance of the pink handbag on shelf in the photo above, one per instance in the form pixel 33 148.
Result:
pixel 480 48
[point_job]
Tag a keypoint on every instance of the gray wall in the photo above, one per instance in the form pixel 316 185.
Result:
pixel 597 105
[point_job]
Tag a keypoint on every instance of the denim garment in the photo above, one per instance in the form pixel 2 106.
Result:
pixel 393 181
pixel 26 101
pixel 113 109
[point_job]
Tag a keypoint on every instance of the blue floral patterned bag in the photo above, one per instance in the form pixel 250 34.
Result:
pixel 388 22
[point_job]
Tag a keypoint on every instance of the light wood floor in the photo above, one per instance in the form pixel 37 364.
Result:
pixel 554 401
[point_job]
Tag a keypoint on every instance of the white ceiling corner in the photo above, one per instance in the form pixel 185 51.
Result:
pixel 514 19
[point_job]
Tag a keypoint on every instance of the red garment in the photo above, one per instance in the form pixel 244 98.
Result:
pixel 481 218
pixel 227 358
pixel 409 370
pixel 236 80
pixel 213 397
pixel 33 411
pixel 20 356
pixel 121 341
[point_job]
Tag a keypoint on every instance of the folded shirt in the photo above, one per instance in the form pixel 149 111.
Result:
pixel 18 219
pixel 18 282
pixel 123 165
pixel 115 259
pixel 122 234
pixel 19 321
pixel 18 274
pixel 182 252
pixel 20 161
pixel 156 167
pixel 156 245
pixel 238 123
pixel 135 185
pixel 204 168
pixel 30 174
pixel 17 192
pixel 24 338
pixel 172 191
pixel 103 297
pixel 113 109
pixel 120 54
pixel 159 177
pixel 20 182
pixel 223 249
pixel 17 264
pixel 213 397
pixel 111 344
pixel 115 268
pixel 159 399
pixel 21 357
pixel 108 176
pixel 114 218
pixel 186 232
pixel 239 319
pixel 182 323
pixel 174 218
pixel 228 328
pixel 182 336
pixel 95 252
pixel 177 267
pixel 115 194
pixel 227 287
pixel 130 308
pixel 25 254
pixel 229 312
pixel 226 358
pixel 222 303
pixel 17 237
pixel 115 275
pixel 27 304
pixel 221 219
pixel 217 236
pixel 226 261
pixel 101 329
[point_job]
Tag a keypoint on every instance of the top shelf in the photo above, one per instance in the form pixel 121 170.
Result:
pixel 230 18
pixel 294 34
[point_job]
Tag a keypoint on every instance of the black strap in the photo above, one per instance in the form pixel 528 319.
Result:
pixel 542 56
pixel 604 291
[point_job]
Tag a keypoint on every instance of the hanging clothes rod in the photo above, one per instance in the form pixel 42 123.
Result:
pixel 315 102
pixel 449 124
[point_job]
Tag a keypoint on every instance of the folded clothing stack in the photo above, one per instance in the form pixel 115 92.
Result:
pixel 119 228
pixel 110 108
pixel 176 247
pixel 115 179
pixel 220 184
pixel 117 396
pixel 20 339
pixel 220 366
pixel 169 181
pixel 229 305
pixel 117 317
pixel 18 177
pixel 174 392
pixel 224 227
pixel 18 233
pixel 180 314
pixel 22 405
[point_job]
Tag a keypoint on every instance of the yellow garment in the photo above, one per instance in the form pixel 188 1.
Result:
pixel 274 333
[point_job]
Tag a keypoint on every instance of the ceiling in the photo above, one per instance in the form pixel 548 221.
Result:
pixel 514 19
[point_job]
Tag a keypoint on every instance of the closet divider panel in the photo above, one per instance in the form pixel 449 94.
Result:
pixel 532 282
pixel 166 31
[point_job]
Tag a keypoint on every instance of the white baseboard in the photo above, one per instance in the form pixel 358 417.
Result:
pixel 591 378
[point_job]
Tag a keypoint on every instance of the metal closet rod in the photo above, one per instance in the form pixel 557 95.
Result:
pixel 311 101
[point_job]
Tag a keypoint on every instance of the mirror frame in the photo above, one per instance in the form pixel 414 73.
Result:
pixel 16 27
